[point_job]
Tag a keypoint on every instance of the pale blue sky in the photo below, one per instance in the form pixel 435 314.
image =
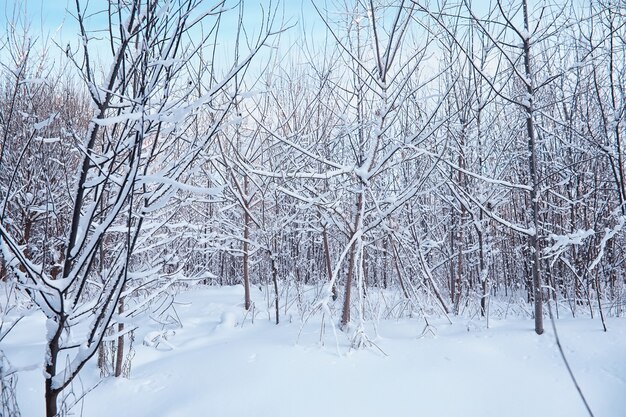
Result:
pixel 55 17
pixel 53 22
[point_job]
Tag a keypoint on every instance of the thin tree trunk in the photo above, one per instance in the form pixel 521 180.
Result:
pixel 246 248
pixel 51 401
pixel 329 266
pixel 51 394
pixel 119 354
pixel 599 297
pixel 345 316
pixel 534 178
pixel 396 259
pixel 484 279
pixel 459 268
pixel 275 282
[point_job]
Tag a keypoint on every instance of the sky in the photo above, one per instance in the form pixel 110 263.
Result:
pixel 56 18
pixel 53 23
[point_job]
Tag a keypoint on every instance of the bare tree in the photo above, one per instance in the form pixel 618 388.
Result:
pixel 140 118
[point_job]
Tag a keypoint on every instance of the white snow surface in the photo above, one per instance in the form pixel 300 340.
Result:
pixel 219 363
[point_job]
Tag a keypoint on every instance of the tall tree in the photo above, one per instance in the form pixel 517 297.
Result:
pixel 140 118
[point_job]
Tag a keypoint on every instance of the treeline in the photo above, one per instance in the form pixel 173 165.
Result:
pixel 448 155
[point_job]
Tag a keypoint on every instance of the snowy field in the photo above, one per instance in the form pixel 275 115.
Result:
pixel 221 364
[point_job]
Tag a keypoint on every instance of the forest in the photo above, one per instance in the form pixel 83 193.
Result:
pixel 362 163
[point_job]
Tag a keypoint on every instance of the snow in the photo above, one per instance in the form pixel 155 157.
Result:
pixel 51 328
pixel 249 94
pixel 222 363
pixel 48 140
pixel 162 179
pixel 609 234
pixel 32 80
pixel 113 120
pixel 561 242
pixel 45 123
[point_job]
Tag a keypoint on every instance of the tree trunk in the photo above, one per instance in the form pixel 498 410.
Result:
pixel 345 316
pixel 397 260
pixel 329 266
pixel 534 178
pixel 246 248
pixel 52 394
pixel 119 354
pixel 51 400
pixel 275 282
pixel 483 275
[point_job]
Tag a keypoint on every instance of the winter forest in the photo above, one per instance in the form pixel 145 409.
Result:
pixel 330 207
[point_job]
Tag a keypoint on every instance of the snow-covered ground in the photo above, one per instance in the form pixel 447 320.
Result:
pixel 220 364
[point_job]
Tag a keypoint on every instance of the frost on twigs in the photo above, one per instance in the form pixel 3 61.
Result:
pixel 429 330
pixel 360 340
pixel 561 242
pixel 8 383
pixel 159 339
